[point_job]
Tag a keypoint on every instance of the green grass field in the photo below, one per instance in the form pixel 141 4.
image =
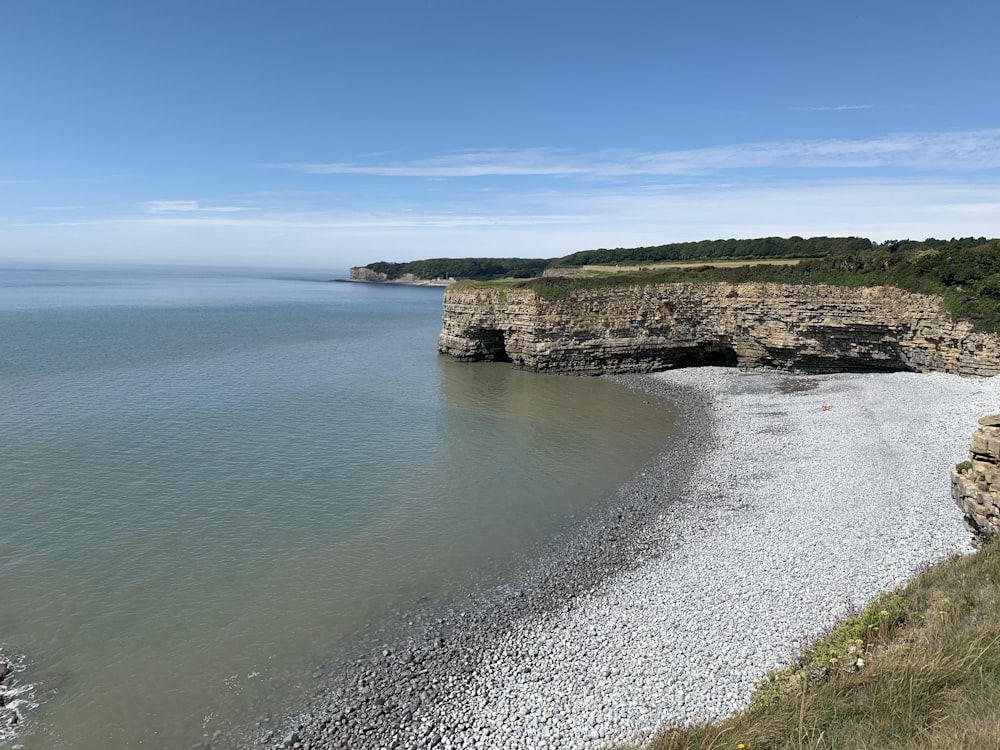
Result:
pixel 687 264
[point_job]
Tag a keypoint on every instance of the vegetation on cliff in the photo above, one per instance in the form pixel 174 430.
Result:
pixel 917 668
pixel 485 269
pixel 708 250
pixel 965 272
pixel 482 269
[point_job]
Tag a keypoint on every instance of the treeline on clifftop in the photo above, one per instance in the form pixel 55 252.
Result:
pixel 965 272
pixel 488 269
pixel 764 248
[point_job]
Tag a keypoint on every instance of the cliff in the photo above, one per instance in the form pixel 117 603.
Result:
pixel 975 484
pixel 641 328
pixel 363 273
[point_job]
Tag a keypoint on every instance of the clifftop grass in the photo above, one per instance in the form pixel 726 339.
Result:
pixel 917 669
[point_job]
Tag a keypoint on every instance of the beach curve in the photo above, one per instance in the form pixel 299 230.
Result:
pixel 790 501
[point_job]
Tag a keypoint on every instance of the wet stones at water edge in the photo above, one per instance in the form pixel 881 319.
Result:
pixel 975 483
pixel 398 697
pixel 9 716
pixel 16 696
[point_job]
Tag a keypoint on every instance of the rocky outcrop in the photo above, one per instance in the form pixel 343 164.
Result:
pixel 975 484
pixel 10 714
pixel 363 273
pixel 642 328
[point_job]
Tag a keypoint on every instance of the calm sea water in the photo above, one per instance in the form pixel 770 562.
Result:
pixel 212 480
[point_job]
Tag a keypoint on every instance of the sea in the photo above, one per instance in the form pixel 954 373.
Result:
pixel 213 480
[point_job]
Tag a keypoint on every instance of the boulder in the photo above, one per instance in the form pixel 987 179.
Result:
pixel 975 484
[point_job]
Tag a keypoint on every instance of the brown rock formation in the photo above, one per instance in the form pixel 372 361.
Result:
pixel 975 484
pixel 362 273
pixel 658 326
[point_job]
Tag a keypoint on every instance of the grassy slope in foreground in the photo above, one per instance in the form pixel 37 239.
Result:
pixel 918 668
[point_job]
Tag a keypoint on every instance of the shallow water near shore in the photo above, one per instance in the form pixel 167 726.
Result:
pixel 216 480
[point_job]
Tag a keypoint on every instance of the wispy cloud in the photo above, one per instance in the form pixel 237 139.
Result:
pixel 57 180
pixel 387 219
pixel 835 108
pixel 896 185
pixel 959 150
pixel 170 207
pixel 498 162
pixel 543 223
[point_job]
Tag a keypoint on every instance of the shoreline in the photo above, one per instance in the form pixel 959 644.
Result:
pixel 399 282
pixel 387 697
pixel 766 520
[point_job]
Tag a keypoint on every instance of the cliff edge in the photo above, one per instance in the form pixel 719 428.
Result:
pixel 649 327
pixel 975 484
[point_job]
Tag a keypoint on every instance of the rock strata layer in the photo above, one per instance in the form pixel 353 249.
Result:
pixel 975 484
pixel 646 328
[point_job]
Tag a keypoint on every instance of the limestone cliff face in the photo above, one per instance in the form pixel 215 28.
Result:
pixel 975 484
pixel 659 326
pixel 362 273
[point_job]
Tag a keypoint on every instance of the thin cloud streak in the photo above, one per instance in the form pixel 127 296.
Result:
pixel 959 151
pixel 187 206
pixel 876 207
pixel 488 162
pixel 321 221
pixel 837 108
pixel 541 224
pixel 552 218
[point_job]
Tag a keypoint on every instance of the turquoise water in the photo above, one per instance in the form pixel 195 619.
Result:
pixel 213 480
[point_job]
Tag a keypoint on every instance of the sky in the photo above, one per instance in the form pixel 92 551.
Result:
pixel 331 133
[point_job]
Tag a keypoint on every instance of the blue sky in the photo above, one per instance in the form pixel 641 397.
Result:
pixel 330 134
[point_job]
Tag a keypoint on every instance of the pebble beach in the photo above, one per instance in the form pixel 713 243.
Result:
pixel 788 502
